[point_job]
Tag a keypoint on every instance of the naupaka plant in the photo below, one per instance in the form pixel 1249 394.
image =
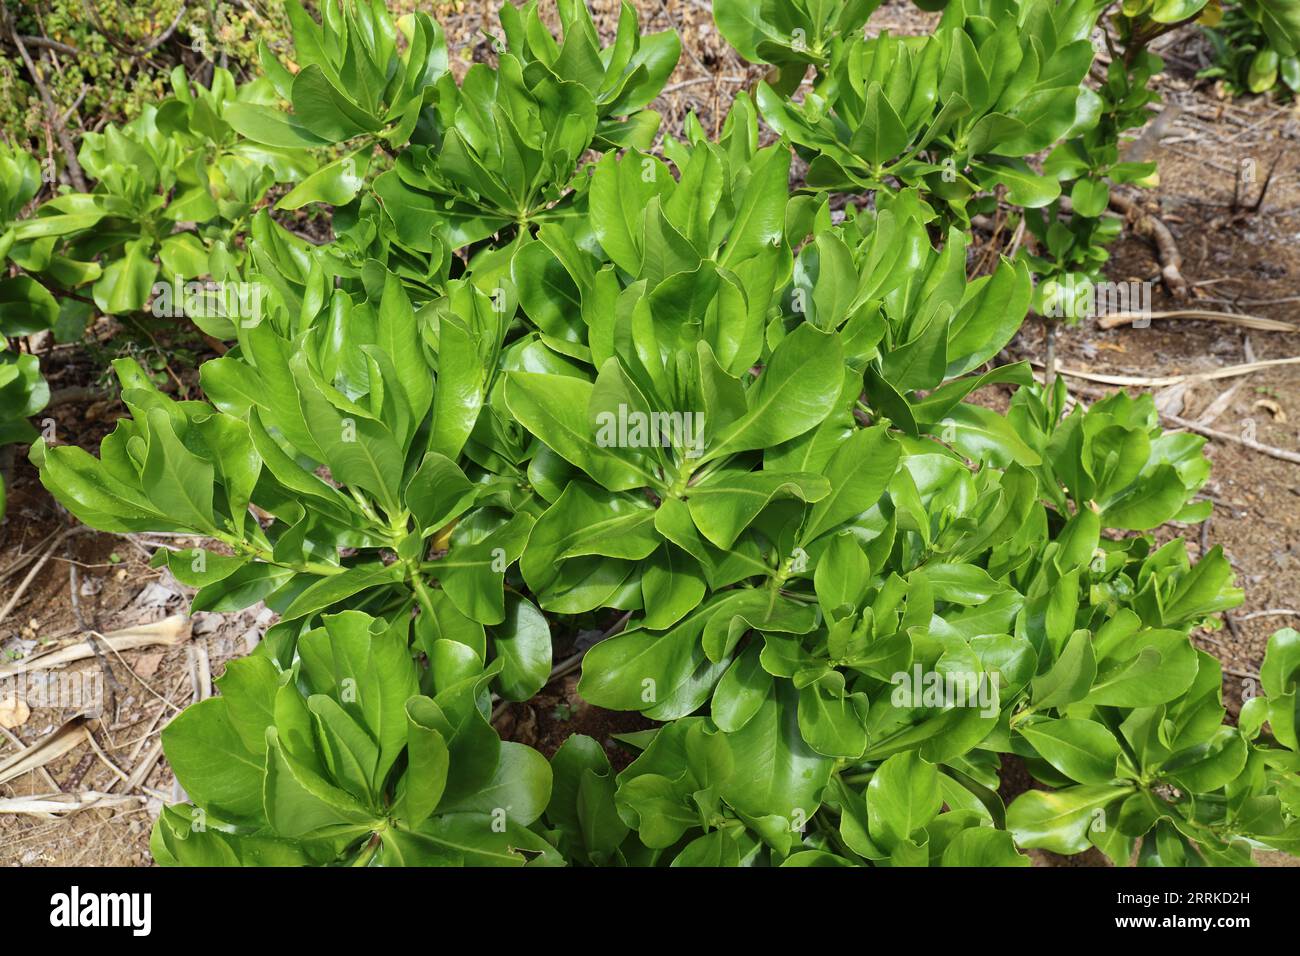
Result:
pixel 791 36
pixel 354 756
pixel 26 306
pixel 623 78
pixel 174 191
pixel 955 112
pixel 354 394
pixel 747 537
pixel 175 188
pixel 493 153
pixel 1250 54
pixel 546 377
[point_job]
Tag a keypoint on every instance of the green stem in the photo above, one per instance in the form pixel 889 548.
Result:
pixel 833 835
pixel 422 595
pixel 367 852
pixel 366 507
pixel 694 478
pixel 244 548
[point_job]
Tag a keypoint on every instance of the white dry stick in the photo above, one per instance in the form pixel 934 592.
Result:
pixel 142 770
pixel 1218 406
pixel 103 757
pixel 1113 319
pixel 1160 381
pixel 169 631
pixel 53 805
pixel 22 748
pixel 1281 454
pixel 1269 612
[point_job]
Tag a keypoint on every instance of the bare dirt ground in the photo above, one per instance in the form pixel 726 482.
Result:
pixel 1237 260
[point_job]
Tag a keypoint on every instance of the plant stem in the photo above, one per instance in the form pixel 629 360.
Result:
pixel 367 852
pixel 1049 359
pixel 422 594
pixel 243 547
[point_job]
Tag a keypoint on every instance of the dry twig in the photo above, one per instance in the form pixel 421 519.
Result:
pixel 1281 454
pixel 1115 319
pixel 31 575
pixel 53 805
pixel 1269 612
pixel 22 747
pixel 1160 381
pixel 51 112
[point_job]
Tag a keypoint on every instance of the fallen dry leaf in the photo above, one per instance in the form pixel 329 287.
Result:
pixel 13 712
pixel 49 748
pixel 1217 407
pixel 1170 400
pixel 1273 408
pixel 169 631
pixel 146 665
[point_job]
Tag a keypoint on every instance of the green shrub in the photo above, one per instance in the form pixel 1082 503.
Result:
pixel 1249 57
pixel 543 374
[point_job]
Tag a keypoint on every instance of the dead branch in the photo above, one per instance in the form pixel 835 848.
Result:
pixel 53 805
pixel 1142 381
pixel 76 393
pixel 48 44
pixel 1269 612
pixel 31 575
pixel 1115 319
pixel 698 80
pixel 51 111
pixel 1138 150
pixel 1281 454
pixel 22 748
pixel 129 50
pixel 142 770
pixel 1149 227
pixel 1263 191
pixel 571 663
